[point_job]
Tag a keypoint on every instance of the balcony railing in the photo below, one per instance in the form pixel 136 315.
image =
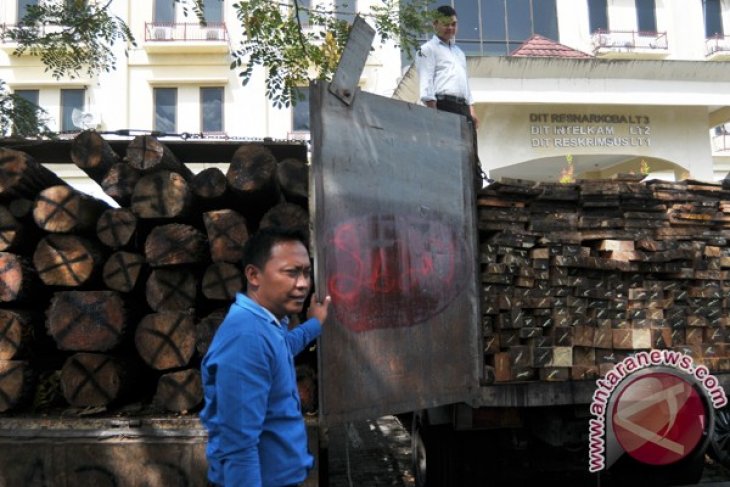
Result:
pixel 185 32
pixel 628 40
pixel 718 44
pixel 40 29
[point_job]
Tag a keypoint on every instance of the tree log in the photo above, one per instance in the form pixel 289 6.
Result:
pixel 166 340
pixel 22 208
pixel 11 231
pixel 22 177
pixel 175 244
pixel 210 184
pixel 18 279
pixel 206 328
pixel 221 281
pixel 122 271
pixel 119 182
pixel 293 176
pixel 116 227
pixel 62 209
pixel 171 289
pixel 162 194
pixel 15 383
pixel 287 215
pixel 86 321
pixel 148 154
pixel 93 155
pixel 252 177
pixel 16 333
pixel 180 391
pixel 227 233
pixel 93 379
pixel 67 260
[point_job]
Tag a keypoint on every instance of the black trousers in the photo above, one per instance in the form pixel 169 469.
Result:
pixel 463 109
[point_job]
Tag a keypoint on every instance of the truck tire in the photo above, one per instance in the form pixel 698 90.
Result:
pixel 719 447
pixel 433 454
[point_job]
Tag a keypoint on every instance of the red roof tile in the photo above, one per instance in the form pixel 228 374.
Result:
pixel 539 46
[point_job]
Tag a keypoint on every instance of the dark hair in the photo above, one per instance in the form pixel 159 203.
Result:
pixel 446 11
pixel 257 250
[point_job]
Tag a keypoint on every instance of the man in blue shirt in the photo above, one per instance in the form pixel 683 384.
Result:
pixel 256 433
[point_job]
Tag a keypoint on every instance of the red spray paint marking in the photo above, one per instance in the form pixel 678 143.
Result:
pixel 389 271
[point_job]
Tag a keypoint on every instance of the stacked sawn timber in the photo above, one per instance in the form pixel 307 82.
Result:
pixel 578 276
pixel 109 302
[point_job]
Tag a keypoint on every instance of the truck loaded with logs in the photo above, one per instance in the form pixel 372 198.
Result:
pixel 588 319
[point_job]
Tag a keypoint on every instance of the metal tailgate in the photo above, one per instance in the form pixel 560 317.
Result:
pixel 393 212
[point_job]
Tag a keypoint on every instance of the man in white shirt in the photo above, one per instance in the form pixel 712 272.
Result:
pixel 444 83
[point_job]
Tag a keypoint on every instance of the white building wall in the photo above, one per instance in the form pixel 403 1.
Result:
pixel 123 98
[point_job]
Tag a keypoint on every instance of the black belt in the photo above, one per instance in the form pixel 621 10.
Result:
pixel 451 99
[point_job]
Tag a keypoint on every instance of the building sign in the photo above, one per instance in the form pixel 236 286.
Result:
pixel 569 130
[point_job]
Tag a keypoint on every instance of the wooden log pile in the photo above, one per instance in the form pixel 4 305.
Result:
pixel 575 277
pixel 103 305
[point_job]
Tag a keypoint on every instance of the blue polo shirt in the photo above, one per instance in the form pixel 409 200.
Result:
pixel 256 433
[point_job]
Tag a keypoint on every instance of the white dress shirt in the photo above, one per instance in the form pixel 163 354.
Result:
pixel 442 70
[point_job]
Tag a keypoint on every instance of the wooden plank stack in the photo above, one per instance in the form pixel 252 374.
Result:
pixel 575 277
pixel 103 306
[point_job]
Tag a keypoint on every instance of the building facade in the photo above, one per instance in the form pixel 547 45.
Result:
pixel 609 85
pixel 176 79
pixel 606 86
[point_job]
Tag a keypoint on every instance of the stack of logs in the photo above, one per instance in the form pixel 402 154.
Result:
pixel 576 277
pixel 105 304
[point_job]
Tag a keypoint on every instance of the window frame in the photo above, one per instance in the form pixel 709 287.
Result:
pixel 67 109
pixel 222 3
pixel 645 17
pixel 718 16
pixel 156 12
pixel 297 112
pixel 155 93
pixel 222 118
pixel 23 5
pixel 594 7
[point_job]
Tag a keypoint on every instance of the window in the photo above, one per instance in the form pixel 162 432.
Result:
pixel 211 109
pixel 497 27
pixel 76 3
pixel 30 96
pixel 164 12
pixel 300 111
pixel 165 100
pixel 344 10
pixel 304 6
pixel 713 18
pixel 213 11
pixel 598 15
pixel 23 8
pixel 544 18
pixel 70 100
pixel 646 15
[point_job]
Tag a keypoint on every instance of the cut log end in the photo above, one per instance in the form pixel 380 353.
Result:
pixel 166 340
pixel 180 391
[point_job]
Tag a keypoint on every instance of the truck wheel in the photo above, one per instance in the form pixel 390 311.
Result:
pixel 434 461
pixel 719 447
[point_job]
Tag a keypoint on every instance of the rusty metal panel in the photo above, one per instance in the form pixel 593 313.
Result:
pixel 73 452
pixel 393 211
